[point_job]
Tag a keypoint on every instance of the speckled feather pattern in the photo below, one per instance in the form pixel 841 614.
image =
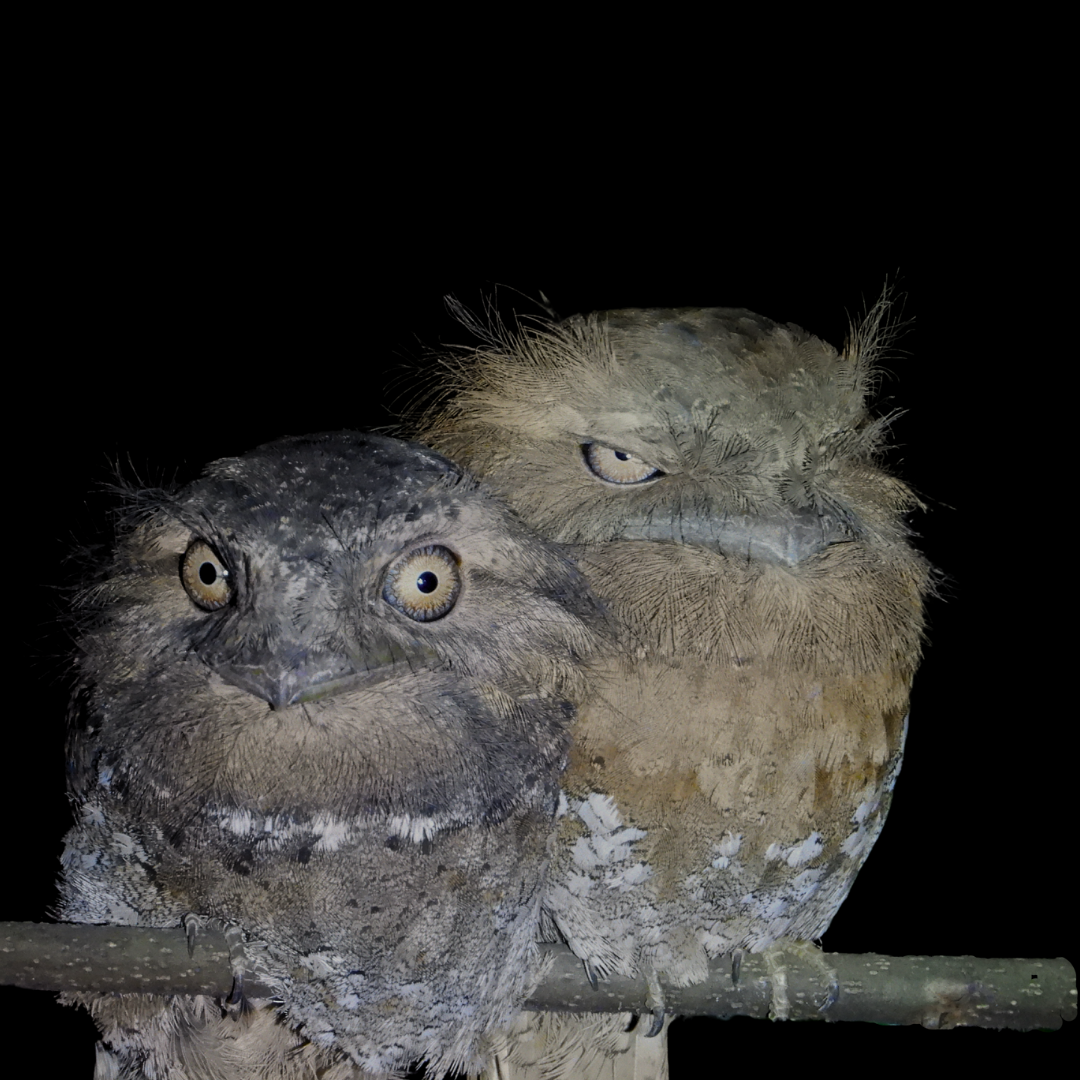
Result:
pixel 736 756
pixel 368 796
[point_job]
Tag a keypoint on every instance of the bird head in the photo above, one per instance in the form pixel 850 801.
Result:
pixel 337 622
pixel 713 426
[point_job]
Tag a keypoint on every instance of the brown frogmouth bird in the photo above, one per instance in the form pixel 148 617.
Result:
pixel 719 477
pixel 323 700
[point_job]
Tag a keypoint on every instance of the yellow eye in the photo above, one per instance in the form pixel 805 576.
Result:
pixel 618 466
pixel 205 576
pixel 423 584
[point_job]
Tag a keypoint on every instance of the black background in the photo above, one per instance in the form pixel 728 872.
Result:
pixel 186 301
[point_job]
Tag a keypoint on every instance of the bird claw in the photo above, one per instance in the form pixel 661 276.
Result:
pixel 656 1025
pixel 236 1004
pixel 654 1009
pixel 590 974
pixel 776 958
pixel 654 1002
pixel 192 925
pixel 736 966
pixel 832 995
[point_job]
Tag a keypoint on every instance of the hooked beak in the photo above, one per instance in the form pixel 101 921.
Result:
pixel 307 675
pixel 786 538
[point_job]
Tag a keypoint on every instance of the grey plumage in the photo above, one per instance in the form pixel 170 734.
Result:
pixel 323 695
pixel 719 475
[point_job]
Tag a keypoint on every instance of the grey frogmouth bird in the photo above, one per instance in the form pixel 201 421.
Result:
pixel 719 476
pixel 323 700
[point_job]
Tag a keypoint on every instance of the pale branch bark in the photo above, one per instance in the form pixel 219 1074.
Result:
pixel 117 960
pixel 935 991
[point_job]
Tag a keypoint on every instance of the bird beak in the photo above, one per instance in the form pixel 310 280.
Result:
pixel 785 537
pixel 307 675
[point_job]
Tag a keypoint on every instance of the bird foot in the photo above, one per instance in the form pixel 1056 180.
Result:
pixel 736 965
pixel 192 925
pixel 779 956
pixel 235 1003
pixel 654 1008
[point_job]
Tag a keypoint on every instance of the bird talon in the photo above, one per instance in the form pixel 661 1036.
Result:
pixel 656 1025
pixel 654 1002
pixel 236 1004
pixel 192 925
pixel 832 996
pixel 736 966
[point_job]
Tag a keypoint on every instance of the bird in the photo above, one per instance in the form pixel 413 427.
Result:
pixel 719 479
pixel 322 700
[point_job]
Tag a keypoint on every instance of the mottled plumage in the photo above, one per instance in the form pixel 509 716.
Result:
pixel 323 695
pixel 718 475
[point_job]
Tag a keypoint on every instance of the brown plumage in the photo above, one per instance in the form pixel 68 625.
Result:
pixel 719 477
pixel 323 698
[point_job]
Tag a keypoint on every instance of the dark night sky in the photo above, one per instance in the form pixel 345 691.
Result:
pixel 226 314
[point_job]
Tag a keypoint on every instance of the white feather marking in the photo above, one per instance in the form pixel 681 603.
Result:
pixel 415 829
pixel 599 813
pixel 334 833
pixel 628 878
pixel 729 844
pixel 802 851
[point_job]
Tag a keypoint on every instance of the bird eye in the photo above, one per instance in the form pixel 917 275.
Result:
pixel 618 466
pixel 423 584
pixel 205 576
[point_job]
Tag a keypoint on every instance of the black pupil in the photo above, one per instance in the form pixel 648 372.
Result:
pixel 427 582
pixel 622 455
pixel 207 573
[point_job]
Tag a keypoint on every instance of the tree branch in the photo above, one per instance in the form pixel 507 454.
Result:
pixel 117 960
pixel 934 991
